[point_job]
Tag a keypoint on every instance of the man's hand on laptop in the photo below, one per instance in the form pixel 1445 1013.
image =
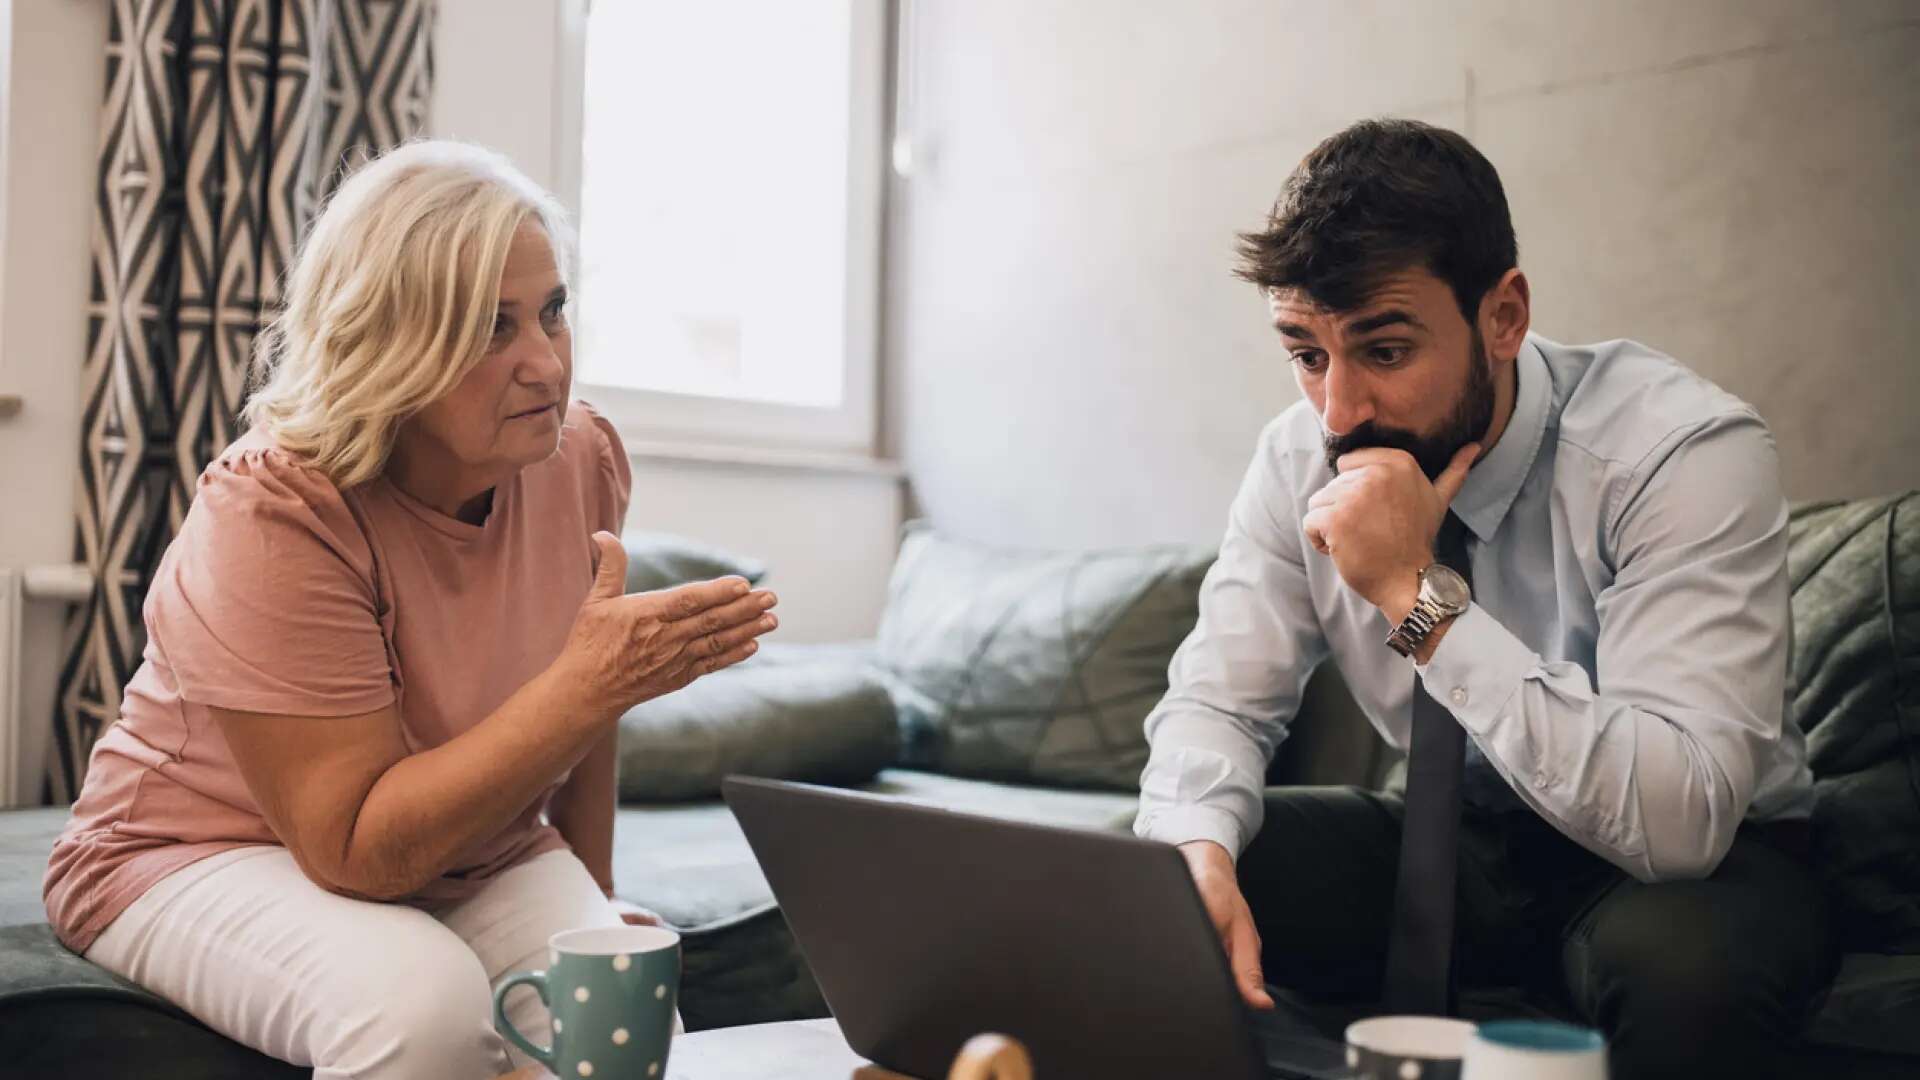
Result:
pixel 1219 886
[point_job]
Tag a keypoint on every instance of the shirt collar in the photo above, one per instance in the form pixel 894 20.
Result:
pixel 1495 480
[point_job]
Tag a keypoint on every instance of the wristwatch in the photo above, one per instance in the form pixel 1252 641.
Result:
pixel 1443 595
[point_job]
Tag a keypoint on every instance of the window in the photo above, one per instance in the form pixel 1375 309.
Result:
pixel 729 199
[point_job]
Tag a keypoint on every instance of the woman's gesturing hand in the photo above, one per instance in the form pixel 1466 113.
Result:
pixel 630 648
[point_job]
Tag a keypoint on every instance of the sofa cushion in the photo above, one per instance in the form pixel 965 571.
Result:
pixel 63 1016
pixel 26 838
pixel 657 560
pixel 1035 666
pixel 797 712
pixel 1873 1004
pixel 1854 568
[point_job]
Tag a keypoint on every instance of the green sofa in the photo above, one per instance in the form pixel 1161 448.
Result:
pixel 1013 683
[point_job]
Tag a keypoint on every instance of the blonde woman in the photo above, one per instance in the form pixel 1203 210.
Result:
pixel 367 764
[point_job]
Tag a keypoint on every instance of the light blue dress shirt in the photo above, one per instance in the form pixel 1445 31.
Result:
pixel 1623 667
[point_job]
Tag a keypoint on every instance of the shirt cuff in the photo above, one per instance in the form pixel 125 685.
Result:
pixel 1183 824
pixel 1476 669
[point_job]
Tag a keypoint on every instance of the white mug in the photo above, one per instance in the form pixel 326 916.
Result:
pixel 1534 1050
pixel 1406 1047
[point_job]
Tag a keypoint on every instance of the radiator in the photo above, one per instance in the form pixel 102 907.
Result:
pixel 19 587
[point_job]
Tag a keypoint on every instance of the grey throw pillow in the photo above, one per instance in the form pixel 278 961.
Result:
pixel 794 712
pixel 1854 569
pixel 1030 665
pixel 657 560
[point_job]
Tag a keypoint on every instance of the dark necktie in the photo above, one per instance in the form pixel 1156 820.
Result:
pixel 1419 974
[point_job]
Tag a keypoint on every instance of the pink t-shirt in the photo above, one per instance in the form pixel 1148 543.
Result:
pixel 282 594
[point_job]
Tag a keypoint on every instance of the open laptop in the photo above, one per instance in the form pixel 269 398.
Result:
pixel 925 927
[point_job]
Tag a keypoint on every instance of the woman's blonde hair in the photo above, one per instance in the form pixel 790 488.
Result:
pixel 392 300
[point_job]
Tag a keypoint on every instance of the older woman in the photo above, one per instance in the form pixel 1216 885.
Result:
pixel 367 764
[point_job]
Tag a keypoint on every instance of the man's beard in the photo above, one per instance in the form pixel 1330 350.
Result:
pixel 1468 422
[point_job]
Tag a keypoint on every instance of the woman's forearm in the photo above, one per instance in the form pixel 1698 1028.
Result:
pixel 428 809
pixel 583 809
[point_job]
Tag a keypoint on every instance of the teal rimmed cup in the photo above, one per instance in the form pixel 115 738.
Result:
pixel 612 992
pixel 1534 1050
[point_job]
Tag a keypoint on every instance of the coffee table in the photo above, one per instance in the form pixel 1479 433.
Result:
pixel 796 1049
pixel 793 1050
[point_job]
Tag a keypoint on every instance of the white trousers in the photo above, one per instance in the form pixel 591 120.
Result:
pixel 358 991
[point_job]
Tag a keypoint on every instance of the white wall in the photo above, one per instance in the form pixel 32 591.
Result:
pixel 494 68
pixel 50 90
pixel 1072 363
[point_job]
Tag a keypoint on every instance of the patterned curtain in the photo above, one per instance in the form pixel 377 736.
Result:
pixel 226 121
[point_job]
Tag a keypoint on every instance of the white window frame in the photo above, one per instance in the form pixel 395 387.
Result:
pixel 653 417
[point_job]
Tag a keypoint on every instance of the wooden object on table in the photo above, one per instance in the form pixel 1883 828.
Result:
pixel 984 1057
pixel 992 1057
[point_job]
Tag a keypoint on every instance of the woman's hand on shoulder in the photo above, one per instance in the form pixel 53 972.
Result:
pixel 628 648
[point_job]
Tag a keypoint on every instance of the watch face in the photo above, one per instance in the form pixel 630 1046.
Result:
pixel 1448 588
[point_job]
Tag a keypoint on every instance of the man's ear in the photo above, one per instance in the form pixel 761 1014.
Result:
pixel 1505 313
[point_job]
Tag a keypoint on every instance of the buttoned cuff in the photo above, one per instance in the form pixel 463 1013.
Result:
pixel 1183 824
pixel 1477 669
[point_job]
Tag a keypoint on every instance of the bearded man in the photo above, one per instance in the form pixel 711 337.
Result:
pixel 1557 577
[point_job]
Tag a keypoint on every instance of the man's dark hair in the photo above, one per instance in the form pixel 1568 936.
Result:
pixel 1381 197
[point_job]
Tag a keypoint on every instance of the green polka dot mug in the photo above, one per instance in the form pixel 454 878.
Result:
pixel 611 991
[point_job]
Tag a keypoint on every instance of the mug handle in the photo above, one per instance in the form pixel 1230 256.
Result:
pixel 538 980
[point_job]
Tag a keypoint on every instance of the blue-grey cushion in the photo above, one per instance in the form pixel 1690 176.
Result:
pixel 61 1015
pixel 1854 568
pixel 1033 666
pixel 1873 1004
pixel 26 839
pixel 793 712
pixel 657 560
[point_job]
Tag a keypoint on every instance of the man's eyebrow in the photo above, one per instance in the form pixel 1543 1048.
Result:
pixel 1294 330
pixel 1389 317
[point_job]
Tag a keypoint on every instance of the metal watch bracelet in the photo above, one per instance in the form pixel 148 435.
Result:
pixel 1406 638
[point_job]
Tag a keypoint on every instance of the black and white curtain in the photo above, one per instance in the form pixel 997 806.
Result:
pixel 225 123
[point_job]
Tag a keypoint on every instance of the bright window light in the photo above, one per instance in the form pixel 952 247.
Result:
pixel 714 199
